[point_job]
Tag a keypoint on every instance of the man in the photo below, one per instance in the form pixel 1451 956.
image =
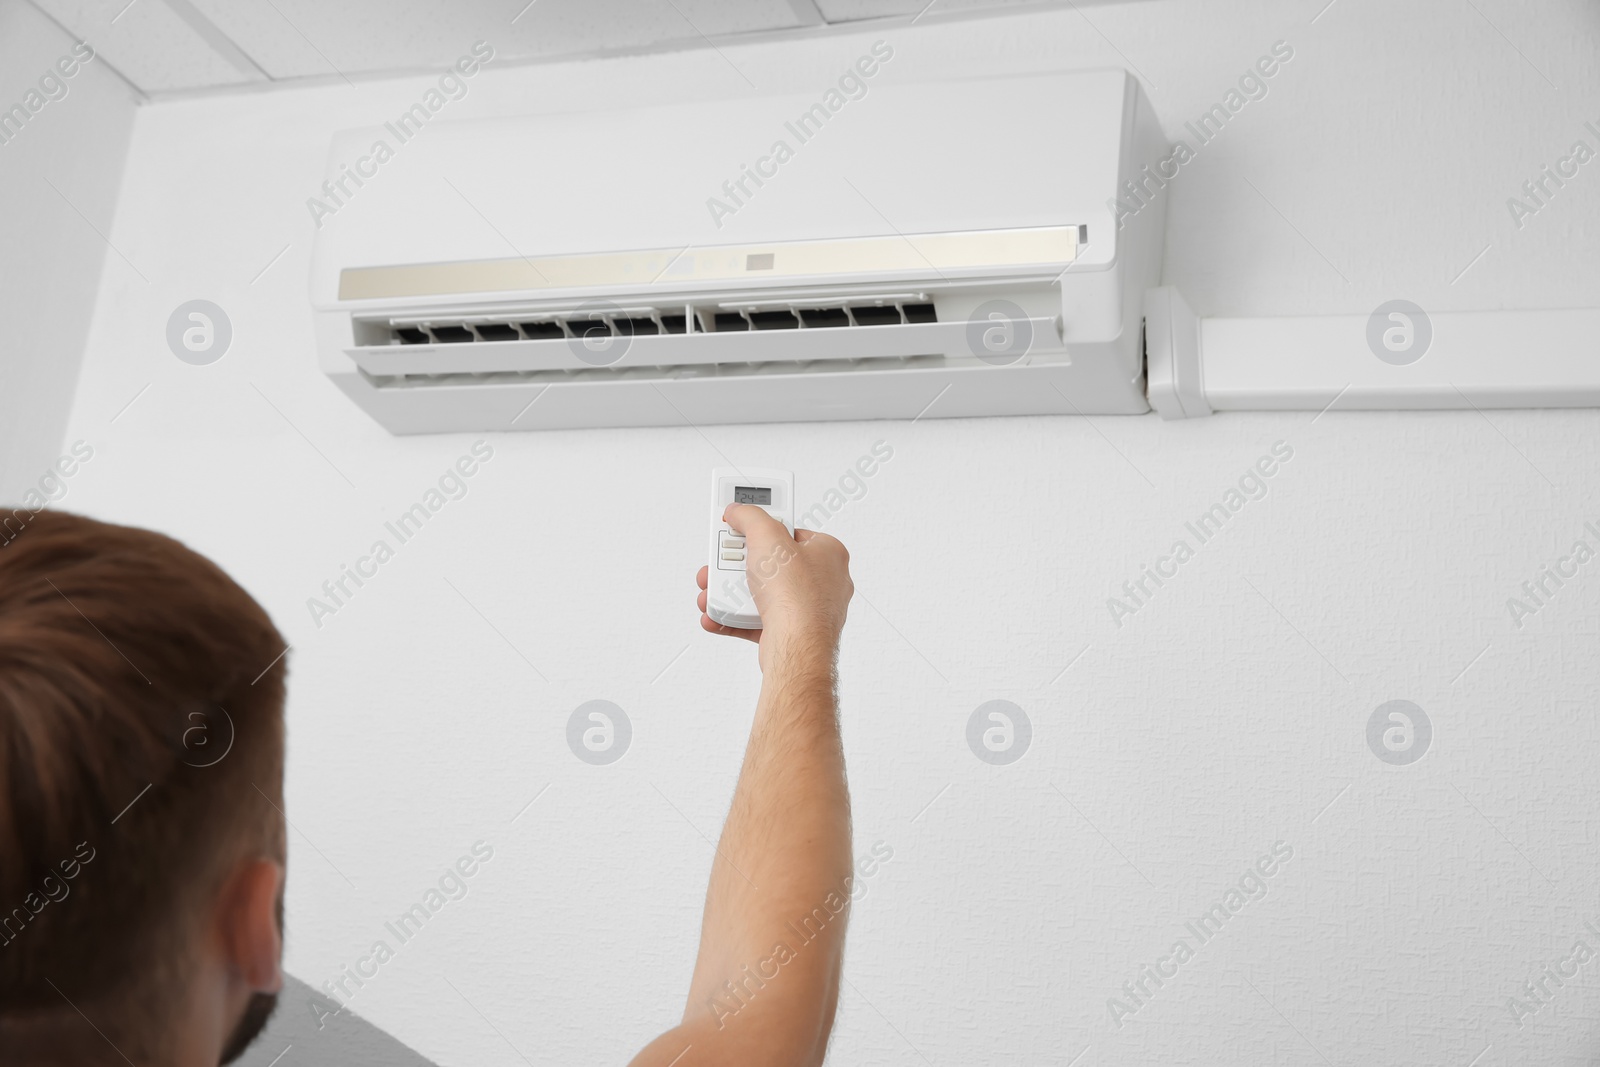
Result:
pixel 142 873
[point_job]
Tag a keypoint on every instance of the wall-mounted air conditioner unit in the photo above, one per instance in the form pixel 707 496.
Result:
pixel 869 250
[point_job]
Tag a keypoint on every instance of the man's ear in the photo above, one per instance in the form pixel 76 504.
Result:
pixel 249 924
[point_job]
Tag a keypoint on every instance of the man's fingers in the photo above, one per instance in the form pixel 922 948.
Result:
pixel 821 542
pixel 752 521
pixel 717 628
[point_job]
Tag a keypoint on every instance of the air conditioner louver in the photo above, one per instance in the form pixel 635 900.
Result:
pixel 469 330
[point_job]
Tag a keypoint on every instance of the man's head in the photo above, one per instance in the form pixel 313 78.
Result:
pixel 141 826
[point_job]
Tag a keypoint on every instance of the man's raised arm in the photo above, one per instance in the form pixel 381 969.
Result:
pixel 766 982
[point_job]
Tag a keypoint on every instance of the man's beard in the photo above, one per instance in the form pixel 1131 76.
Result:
pixel 256 1013
pixel 251 1023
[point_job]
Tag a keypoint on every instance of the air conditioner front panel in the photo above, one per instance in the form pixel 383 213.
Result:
pixel 725 349
pixel 946 256
pixel 980 154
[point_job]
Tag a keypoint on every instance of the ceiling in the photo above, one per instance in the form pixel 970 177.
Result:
pixel 180 46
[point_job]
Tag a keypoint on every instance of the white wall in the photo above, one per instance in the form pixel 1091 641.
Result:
pixel 50 252
pixel 1228 714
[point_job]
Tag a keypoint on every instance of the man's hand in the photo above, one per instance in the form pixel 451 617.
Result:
pixel 801 586
pixel 766 981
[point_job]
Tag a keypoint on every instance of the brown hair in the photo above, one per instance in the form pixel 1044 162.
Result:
pixel 141 754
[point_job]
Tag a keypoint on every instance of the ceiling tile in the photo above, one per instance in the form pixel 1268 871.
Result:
pixel 855 10
pixel 171 45
pixel 303 38
pixel 149 43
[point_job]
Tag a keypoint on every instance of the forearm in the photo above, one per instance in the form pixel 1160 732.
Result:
pixel 772 938
pixel 766 981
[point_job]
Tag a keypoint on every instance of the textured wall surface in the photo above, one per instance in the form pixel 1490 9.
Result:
pixel 1171 747
pixel 59 168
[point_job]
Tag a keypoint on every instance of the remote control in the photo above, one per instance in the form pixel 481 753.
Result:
pixel 728 599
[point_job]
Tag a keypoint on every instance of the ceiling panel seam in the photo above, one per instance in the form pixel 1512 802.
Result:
pixel 138 94
pixel 219 41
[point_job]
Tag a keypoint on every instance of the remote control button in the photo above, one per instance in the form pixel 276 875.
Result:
pixel 733 542
pixel 733 555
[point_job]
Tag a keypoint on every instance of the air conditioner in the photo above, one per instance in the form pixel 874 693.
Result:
pixel 867 250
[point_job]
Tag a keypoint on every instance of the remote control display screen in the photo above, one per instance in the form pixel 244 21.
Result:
pixel 746 494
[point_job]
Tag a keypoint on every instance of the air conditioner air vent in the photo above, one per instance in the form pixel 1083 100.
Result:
pixel 876 316
pixel 815 317
pixel 883 311
pixel 774 320
pixel 590 328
